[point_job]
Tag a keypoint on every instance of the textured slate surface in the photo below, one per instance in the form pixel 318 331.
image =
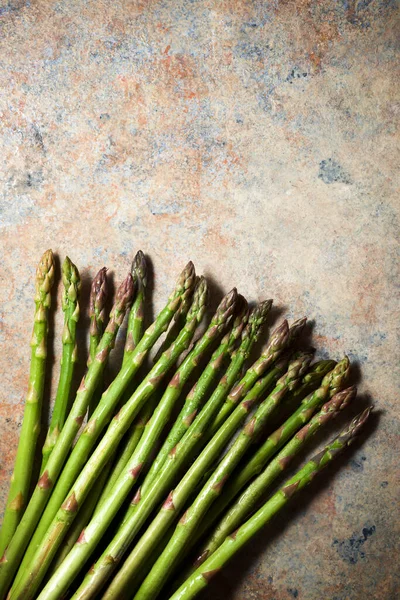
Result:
pixel 258 139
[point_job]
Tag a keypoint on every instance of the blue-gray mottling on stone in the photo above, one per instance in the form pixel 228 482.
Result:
pixel 351 550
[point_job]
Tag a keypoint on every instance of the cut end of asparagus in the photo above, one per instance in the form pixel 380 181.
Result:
pixel 139 268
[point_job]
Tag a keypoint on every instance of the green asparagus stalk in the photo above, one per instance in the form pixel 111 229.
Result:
pixel 267 358
pixel 30 579
pixel 98 420
pixel 140 425
pixel 97 314
pixel 133 337
pixel 177 324
pixel 166 563
pixel 21 478
pixel 198 391
pixel 331 385
pixel 82 519
pixel 159 487
pixel 136 316
pixel 232 544
pixel 12 557
pixel 108 510
pixel 248 500
pixel 70 306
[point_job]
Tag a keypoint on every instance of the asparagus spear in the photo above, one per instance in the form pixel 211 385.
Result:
pixel 21 478
pixel 30 579
pixel 247 501
pixel 197 393
pixel 109 400
pixel 280 339
pixel 178 323
pixel 97 301
pixel 213 487
pixel 201 577
pixel 122 487
pixel 136 316
pixel 216 325
pixel 331 385
pixel 13 554
pixel 133 337
pixel 82 519
pixel 142 551
pixel 194 437
pixel 101 570
pixel 97 314
pixel 70 306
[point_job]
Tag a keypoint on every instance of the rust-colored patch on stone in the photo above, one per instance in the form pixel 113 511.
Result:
pixel 45 482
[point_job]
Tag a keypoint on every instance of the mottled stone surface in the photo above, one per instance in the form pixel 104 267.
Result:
pixel 258 139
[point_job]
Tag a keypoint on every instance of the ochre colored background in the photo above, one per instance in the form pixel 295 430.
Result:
pixel 259 140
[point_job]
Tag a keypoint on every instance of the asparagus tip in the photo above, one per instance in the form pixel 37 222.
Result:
pixel 139 267
pixel 98 293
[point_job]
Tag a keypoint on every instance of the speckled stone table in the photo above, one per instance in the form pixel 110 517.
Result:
pixel 258 139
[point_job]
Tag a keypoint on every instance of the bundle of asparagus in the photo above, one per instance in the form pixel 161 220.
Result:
pixel 176 457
